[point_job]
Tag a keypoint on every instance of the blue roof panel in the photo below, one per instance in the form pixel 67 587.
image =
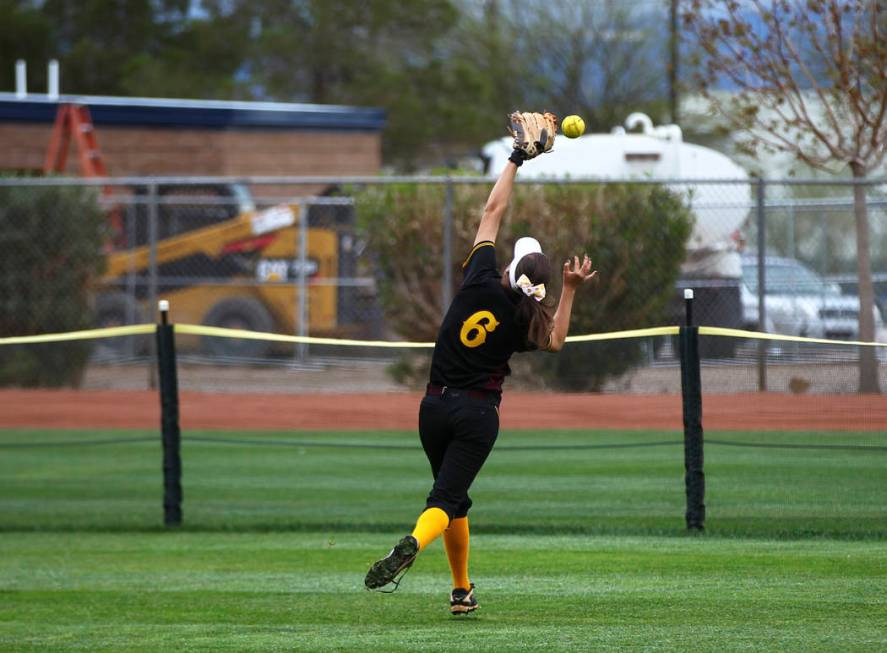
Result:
pixel 196 114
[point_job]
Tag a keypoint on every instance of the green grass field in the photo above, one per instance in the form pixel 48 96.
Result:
pixel 578 544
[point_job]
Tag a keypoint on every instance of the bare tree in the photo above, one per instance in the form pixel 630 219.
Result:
pixel 602 59
pixel 811 80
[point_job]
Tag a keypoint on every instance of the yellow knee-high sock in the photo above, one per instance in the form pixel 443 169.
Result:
pixel 456 543
pixel 430 524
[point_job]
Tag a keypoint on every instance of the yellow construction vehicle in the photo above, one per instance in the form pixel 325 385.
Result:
pixel 238 272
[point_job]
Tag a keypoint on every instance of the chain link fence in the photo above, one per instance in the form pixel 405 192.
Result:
pixel 292 256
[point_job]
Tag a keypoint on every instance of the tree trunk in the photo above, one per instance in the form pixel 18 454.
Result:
pixel 868 362
pixel 674 53
pixel 318 86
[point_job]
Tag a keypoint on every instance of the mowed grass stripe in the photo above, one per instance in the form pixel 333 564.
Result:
pixel 302 592
pixel 750 491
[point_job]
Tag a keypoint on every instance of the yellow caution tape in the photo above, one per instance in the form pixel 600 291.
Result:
pixel 197 330
pixel 219 332
pixel 634 333
pixel 758 335
pixel 109 332
pixel 193 329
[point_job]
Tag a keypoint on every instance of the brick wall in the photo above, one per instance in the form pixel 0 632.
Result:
pixel 23 146
pixel 131 151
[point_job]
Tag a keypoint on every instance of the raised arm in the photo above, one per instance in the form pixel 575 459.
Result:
pixel 533 135
pixel 496 205
pixel 574 276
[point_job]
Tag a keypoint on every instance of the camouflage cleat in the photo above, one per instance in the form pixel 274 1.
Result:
pixel 462 601
pixel 391 567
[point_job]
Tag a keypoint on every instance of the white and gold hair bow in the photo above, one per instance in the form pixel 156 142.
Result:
pixel 537 292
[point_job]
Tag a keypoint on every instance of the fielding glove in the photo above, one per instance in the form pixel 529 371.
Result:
pixel 533 134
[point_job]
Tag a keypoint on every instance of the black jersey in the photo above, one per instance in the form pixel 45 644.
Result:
pixel 479 332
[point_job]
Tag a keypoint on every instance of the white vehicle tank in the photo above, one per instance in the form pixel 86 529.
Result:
pixel 656 153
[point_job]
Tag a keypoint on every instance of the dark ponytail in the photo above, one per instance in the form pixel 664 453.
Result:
pixel 535 316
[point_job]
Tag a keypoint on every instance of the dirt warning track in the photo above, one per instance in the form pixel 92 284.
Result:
pixel 141 409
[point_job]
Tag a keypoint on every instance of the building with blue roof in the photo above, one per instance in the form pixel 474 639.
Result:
pixel 154 136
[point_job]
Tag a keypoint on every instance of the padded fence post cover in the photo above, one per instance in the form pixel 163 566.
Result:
pixel 169 422
pixel 691 394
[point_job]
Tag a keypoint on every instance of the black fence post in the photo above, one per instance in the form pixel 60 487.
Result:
pixel 691 394
pixel 169 419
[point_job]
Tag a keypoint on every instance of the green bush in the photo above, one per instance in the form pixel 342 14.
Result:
pixel 51 255
pixel 635 234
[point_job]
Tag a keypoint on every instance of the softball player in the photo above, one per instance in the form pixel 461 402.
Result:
pixel 494 314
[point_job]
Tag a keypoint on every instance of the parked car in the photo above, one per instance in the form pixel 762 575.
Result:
pixel 849 284
pixel 799 302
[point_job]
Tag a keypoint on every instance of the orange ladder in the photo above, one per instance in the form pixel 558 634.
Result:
pixel 74 120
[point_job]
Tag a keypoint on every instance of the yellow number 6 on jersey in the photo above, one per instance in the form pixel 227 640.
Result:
pixel 475 328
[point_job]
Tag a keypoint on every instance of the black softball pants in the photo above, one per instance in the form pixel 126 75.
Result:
pixel 458 430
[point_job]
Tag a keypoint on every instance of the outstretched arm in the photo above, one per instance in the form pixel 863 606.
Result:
pixel 533 135
pixel 496 205
pixel 574 276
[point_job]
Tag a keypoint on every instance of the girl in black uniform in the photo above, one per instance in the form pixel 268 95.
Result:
pixel 493 315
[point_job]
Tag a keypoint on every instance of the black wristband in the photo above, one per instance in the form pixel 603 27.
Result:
pixel 517 157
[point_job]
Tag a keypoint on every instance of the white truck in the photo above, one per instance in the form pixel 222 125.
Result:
pixel 717 190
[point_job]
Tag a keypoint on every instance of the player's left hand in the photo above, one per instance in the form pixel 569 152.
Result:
pixel 533 133
pixel 575 274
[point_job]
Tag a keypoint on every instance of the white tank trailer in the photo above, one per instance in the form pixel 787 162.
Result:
pixel 642 151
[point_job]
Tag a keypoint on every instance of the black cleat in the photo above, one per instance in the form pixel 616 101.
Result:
pixel 462 601
pixel 388 569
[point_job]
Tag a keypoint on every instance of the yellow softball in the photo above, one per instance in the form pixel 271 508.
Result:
pixel 573 126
